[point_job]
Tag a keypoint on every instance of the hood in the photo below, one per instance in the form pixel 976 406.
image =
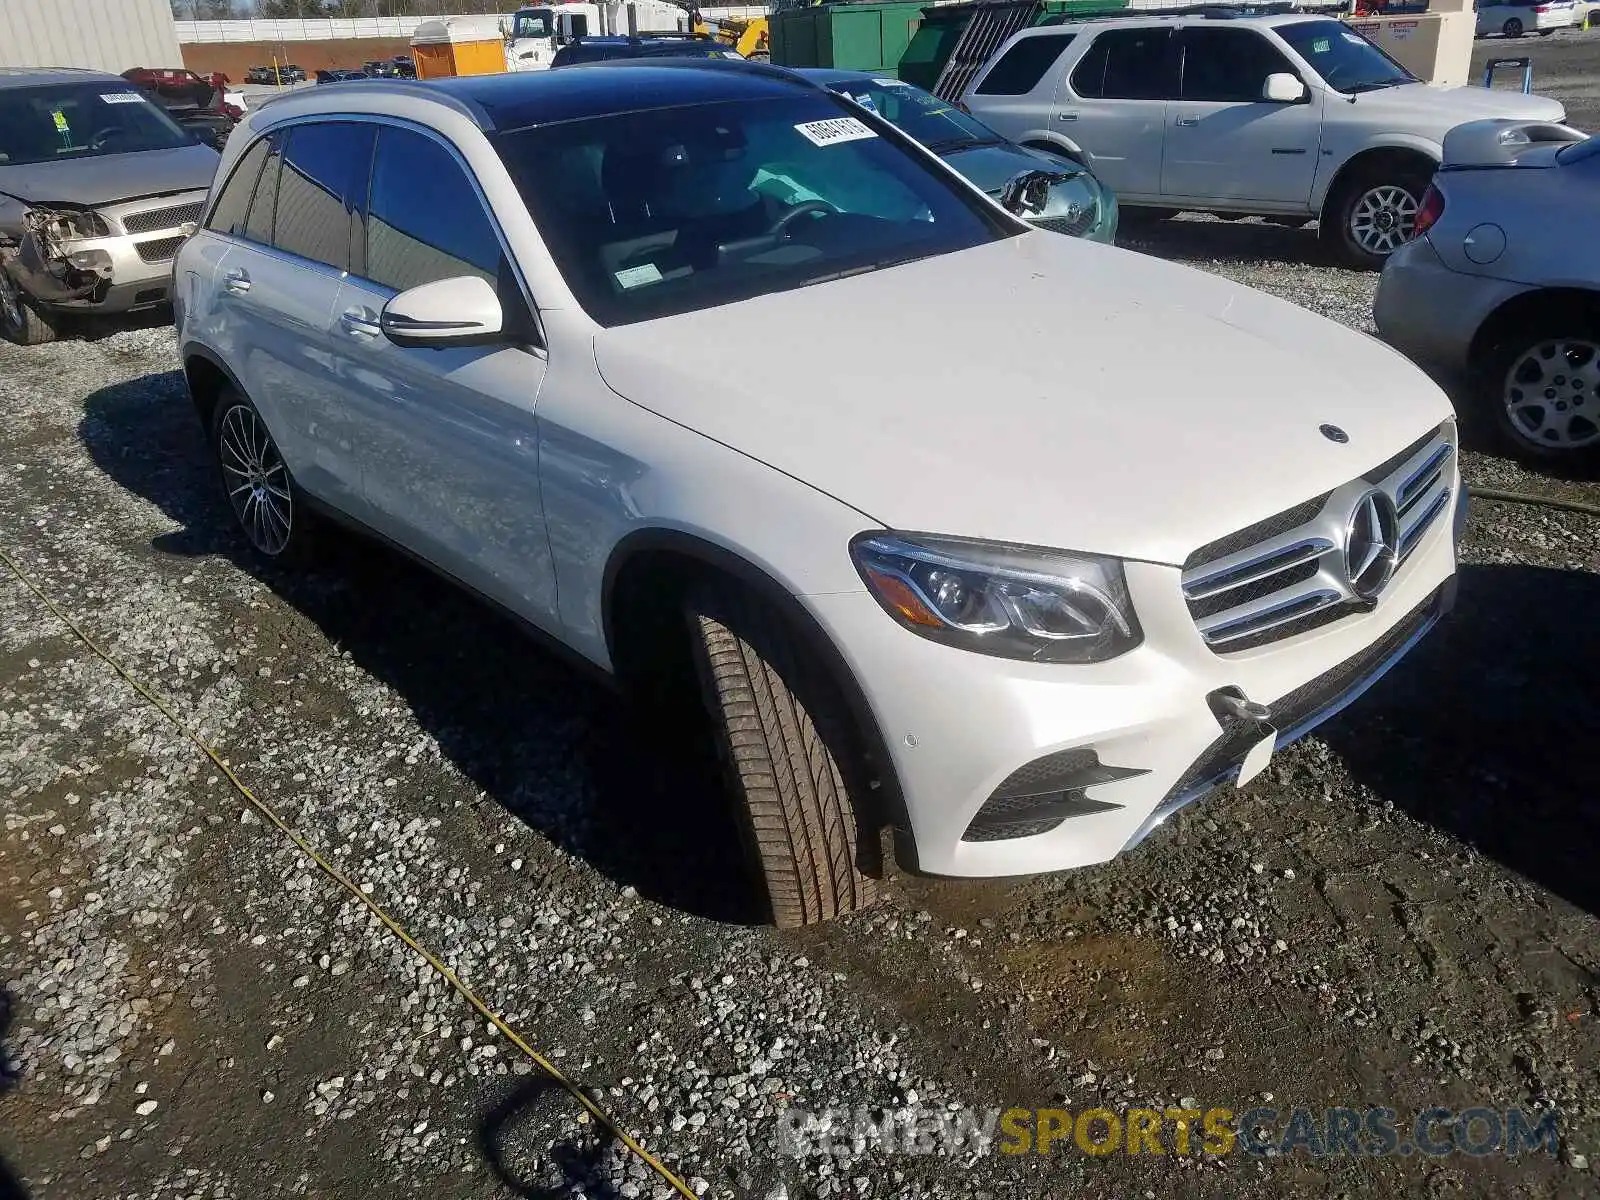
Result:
pixel 1446 107
pixel 112 178
pixel 1040 390
pixel 991 167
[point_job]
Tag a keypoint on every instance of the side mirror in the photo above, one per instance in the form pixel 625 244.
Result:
pixel 1283 88
pixel 463 311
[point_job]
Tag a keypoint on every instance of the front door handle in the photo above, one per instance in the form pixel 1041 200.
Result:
pixel 1188 122
pixel 360 322
pixel 236 282
pixel 1066 116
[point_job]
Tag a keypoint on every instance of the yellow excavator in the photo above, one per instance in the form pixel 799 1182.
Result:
pixel 749 37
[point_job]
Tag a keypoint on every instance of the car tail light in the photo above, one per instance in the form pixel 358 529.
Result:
pixel 1430 210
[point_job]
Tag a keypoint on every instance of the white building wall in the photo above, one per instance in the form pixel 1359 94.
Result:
pixel 109 35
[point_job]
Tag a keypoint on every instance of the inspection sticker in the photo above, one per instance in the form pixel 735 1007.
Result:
pixel 121 98
pixel 833 131
pixel 60 119
pixel 632 277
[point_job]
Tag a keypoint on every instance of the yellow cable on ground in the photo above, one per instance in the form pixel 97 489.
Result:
pixel 339 877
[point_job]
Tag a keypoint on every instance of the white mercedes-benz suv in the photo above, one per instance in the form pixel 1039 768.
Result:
pixel 1015 545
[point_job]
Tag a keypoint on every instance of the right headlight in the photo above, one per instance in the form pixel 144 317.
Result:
pixel 1010 601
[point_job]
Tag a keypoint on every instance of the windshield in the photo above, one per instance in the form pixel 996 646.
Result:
pixel 667 210
pixel 81 120
pixel 1345 60
pixel 935 124
pixel 532 23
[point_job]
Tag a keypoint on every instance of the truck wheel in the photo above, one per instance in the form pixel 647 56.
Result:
pixel 20 322
pixel 782 731
pixel 1372 214
pixel 1542 386
pixel 266 502
pixel 1512 28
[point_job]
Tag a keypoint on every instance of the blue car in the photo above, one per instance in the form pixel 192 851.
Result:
pixel 1049 191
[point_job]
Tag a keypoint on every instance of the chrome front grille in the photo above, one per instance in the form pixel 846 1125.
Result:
pixel 170 217
pixel 1291 572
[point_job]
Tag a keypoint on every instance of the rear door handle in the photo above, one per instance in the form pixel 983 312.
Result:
pixel 1066 116
pixel 1188 122
pixel 360 322
pixel 236 281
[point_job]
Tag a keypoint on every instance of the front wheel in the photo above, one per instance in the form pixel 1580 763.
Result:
pixel 1372 215
pixel 785 742
pixel 1543 387
pixel 20 321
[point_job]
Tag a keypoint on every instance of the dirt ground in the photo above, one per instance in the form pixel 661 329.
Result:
pixel 1404 912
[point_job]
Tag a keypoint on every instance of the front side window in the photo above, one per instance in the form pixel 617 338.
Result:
pixel 933 122
pixel 1345 60
pixel 1128 64
pixel 532 23
pixel 668 210
pixel 324 173
pixel 1022 67
pixel 1228 65
pixel 425 221
pixel 81 120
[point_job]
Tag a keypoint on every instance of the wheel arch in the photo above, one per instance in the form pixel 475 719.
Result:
pixel 206 375
pixel 1524 308
pixel 1045 139
pixel 649 574
pixel 1416 153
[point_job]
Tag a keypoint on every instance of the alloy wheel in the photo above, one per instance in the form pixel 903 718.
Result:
pixel 1552 394
pixel 257 480
pixel 1384 219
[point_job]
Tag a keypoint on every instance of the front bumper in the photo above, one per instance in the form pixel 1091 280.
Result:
pixel 958 726
pixel 130 268
pixel 1431 313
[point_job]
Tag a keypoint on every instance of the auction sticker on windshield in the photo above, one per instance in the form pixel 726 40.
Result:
pixel 833 131
pixel 121 98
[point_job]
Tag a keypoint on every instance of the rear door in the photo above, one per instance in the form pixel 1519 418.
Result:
pixel 278 293
pixel 1115 106
pixel 1224 142
pixel 448 439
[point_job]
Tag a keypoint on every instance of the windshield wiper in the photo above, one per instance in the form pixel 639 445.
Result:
pixel 1374 86
pixel 876 265
pixel 962 143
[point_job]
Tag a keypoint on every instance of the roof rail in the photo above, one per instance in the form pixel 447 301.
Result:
pixel 1212 12
pixel 470 109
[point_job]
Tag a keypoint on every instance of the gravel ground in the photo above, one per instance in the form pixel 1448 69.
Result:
pixel 1403 911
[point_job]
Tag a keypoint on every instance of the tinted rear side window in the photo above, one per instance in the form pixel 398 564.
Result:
pixel 425 221
pixel 259 226
pixel 325 171
pixel 1128 64
pixel 234 203
pixel 1022 67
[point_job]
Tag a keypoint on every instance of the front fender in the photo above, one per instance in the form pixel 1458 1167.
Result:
pixel 1426 147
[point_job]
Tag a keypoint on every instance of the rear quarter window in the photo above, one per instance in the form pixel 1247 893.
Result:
pixel 1020 68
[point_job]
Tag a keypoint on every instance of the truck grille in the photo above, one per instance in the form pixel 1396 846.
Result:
pixel 1287 574
pixel 170 217
pixel 159 250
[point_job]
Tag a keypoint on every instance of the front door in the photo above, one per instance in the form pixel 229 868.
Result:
pixel 1224 142
pixel 448 438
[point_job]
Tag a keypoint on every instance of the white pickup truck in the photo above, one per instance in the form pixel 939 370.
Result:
pixel 1293 117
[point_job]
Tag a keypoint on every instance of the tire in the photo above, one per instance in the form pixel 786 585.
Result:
pixel 783 735
pixel 1372 195
pixel 21 321
pixel 1542 388
pixel 1512 28
pixel 267 505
